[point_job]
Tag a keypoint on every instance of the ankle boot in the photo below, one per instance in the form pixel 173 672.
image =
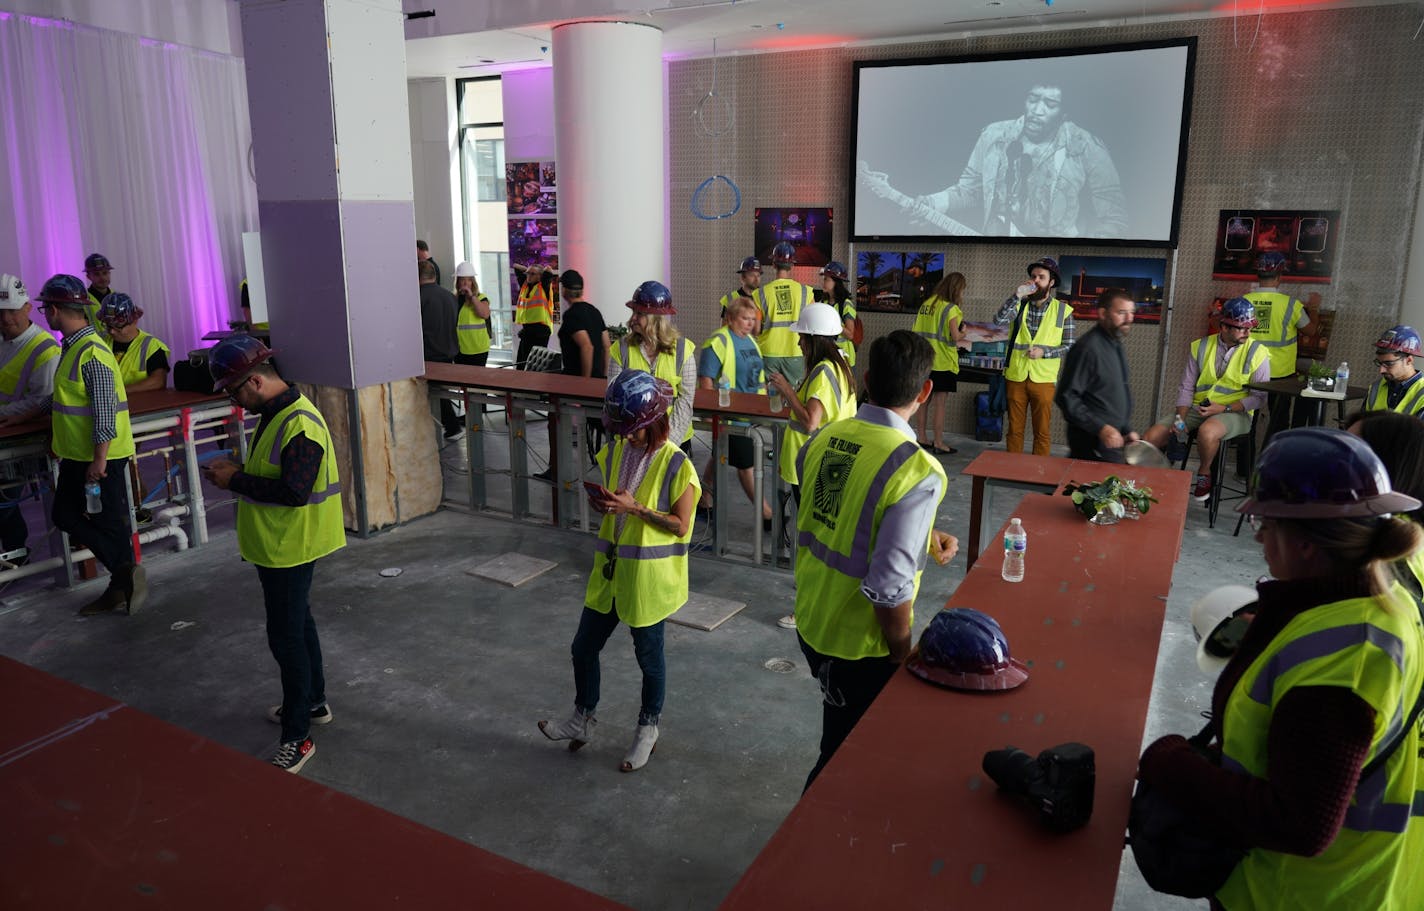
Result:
pixel 645 741
pixel 577 728
pixel 112 598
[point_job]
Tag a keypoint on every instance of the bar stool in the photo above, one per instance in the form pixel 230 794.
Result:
pixel 1219 487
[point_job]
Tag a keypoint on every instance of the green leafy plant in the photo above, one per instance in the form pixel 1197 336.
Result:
pixel 1111 495
pixel 1319 371
pixel 617 332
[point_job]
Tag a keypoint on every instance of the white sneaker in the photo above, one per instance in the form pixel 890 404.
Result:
pixel 787 622
pixel 577 728
pixel 645 741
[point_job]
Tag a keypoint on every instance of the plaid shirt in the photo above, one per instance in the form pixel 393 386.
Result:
pixel 1033 315
pixel 98 388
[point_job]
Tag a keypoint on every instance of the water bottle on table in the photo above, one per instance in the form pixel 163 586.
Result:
pixel 1015 543
pixel 1342 377
pixel 724 393
pixel 93 498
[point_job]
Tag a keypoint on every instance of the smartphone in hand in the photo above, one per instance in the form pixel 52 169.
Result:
pixel 597 491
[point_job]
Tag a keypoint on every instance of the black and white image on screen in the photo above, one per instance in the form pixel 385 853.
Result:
pixel 1082 146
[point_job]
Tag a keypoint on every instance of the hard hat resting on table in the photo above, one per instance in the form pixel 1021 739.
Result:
pixel 966 650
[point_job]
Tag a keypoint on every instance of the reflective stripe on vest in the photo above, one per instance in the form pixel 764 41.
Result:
pixel 15 375
pixel 133 365
pixel 1276 316
pixel 666 366
pixel 1231 386
pixel 272 535
pixel 1049 335
pixel 723 346
pixel 1376 653
pixel 854 471
pixel 471 331
pixel 650 570
pixel 1412 402
pixel 533 307
pixel 72 418
pixel 777 338
pixel 932 325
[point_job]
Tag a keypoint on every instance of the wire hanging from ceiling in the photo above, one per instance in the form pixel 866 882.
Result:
pixel 711 103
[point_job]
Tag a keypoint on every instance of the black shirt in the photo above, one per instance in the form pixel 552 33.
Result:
pixel 582 317
pixel 158 360
pixel 438 312
pixel 1093 388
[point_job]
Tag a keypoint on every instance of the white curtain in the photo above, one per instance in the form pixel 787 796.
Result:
pixel 136 149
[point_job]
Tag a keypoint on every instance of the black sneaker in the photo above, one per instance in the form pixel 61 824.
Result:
pixel 291 756
pixel 319 715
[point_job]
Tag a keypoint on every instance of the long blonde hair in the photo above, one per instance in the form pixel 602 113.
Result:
pixel 659 330
pixel 951 289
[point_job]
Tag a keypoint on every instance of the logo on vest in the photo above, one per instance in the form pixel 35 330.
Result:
pixel 836 464
pixel 783 300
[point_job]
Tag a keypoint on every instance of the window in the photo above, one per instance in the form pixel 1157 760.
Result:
pixel 480 102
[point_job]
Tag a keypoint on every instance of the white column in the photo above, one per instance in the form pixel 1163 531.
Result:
pixel 608 107
pixel 1411 307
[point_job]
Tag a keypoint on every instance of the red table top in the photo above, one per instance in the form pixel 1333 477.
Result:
pixel 559 385
pixel 140 404
pixel 106 807
pixel 903 816
pixel 1018 466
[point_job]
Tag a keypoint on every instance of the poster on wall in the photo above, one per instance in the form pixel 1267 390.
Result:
pixel 531 196
pixel 808 229
pixel 1306 238
pixel 895 282
pixel 1085 277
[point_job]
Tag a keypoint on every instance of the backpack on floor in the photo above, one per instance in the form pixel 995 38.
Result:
pixel 988 426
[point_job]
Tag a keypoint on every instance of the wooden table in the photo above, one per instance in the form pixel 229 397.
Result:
pixel 1295 386
pixel 107 807
pixel 1016 470
pixel 903 816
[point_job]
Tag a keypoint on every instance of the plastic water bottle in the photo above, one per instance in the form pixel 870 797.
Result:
pixel 774 400
pixel 1179 429
pixel 1015 543
pixel 724 393
pixel 93 500
pixel 1342 376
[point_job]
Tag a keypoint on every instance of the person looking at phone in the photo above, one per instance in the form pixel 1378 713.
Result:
pixel 639 572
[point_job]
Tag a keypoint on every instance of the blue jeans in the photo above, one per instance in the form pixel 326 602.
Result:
pixel 291 635
pixel 593 631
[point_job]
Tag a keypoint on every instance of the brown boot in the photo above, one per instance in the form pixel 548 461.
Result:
pixel 111 599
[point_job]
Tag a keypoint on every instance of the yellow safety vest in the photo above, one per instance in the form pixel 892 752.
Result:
pixel 665 366
pixel 858 469
pixel 15 375
pixel 932 325
pixel 1412 402
pixel 91 312
pixel 1276 316
pixel 534 306
pixel 825 384
pixel 1378 654
pixel 725 349
pixel 1049 335
pixel 72 422
pixel 1230 386
pixel 649 579
pixel 282 536
pixel 472 330
pixel 133 365
pixel 732 295
pixel 781 302
pixel 846 310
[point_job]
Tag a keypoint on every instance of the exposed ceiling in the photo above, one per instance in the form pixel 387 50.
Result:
pixel 753 26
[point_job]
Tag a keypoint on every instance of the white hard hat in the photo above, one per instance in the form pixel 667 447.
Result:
pixel 13 295
pixel 819 319
pixel 465 270
pixel 1216 641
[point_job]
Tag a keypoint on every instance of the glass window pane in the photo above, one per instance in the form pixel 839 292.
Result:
pixel 482 101
pixel 489 169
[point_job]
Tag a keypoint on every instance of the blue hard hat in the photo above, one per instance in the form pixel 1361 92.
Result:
pixel 234 357
pixel 1321 473
pixel 1271 263
pixel 965 649
pixel 750 264
pixel 836 270
pixel 652 297
pixel 1402 339
pixel 118 310
pixel 783 254
pixel 1049 263
pixel 634 400
pixel 1239 312
pixel 65 290
pixel 96 262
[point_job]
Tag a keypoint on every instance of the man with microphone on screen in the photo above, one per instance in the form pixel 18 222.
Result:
pixel 1038 175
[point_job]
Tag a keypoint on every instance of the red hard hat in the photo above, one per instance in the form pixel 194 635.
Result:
pixel 233 358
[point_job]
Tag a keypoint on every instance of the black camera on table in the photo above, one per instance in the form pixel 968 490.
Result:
pixel 1059 782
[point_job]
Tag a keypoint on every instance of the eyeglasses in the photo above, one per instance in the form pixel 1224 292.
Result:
pixel 1389 363
pixel 235 388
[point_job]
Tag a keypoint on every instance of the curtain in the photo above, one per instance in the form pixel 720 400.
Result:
pixel 134 148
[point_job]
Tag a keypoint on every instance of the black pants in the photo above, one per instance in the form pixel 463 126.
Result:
pixel 13 530
pixel 531 335
pixel 292 639
pixel 472 360
pixel 1084 445
pixel 106 532
pixel 847 690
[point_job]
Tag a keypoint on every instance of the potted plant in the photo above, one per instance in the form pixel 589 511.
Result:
pixel 1105 502
pixel 1321 377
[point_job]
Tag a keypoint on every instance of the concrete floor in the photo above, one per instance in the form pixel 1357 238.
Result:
pixel 436 680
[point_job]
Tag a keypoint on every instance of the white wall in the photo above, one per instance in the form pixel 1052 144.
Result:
pixel 529 115
pixel 436 172
pixel 212 25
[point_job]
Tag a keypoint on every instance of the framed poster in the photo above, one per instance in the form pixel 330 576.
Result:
pixel 1306 238
pixel 895 282
pixel 808 229
pixel 1085 277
